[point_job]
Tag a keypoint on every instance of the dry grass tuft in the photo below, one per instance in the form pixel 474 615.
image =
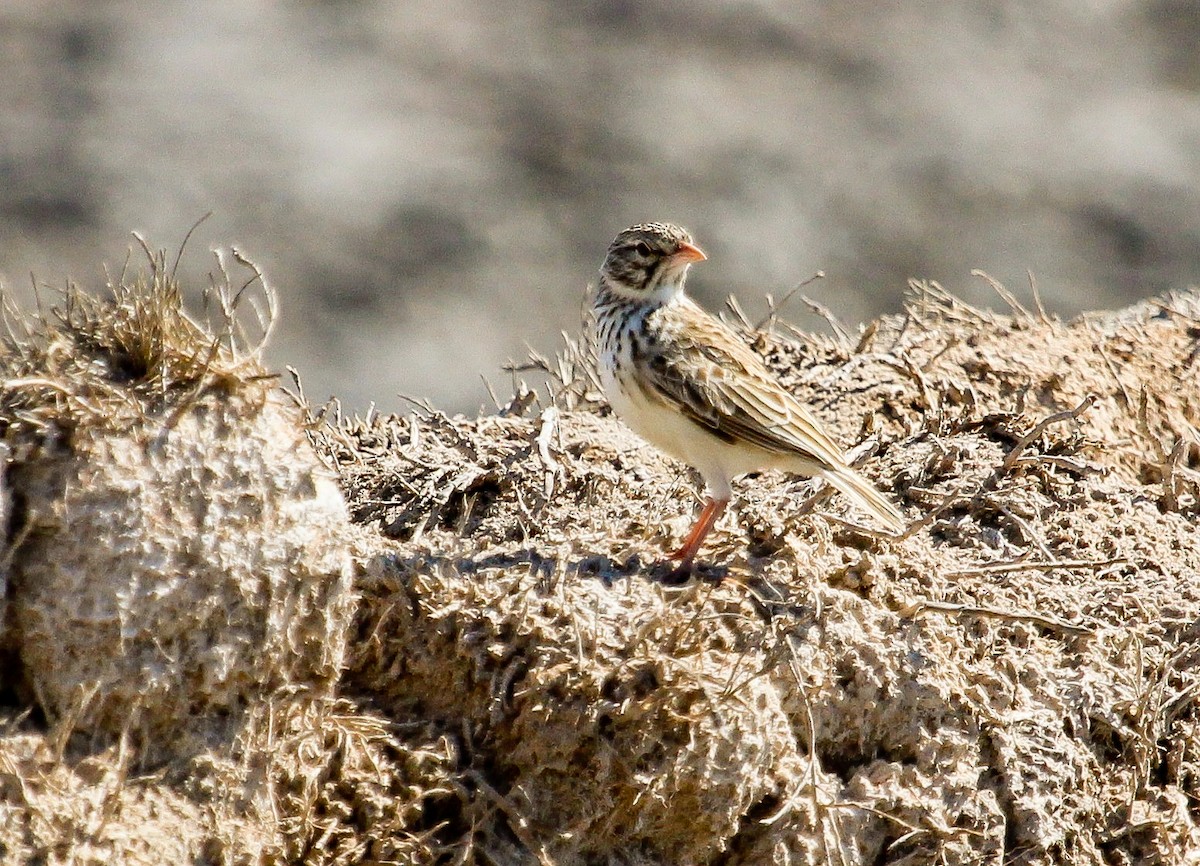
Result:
pixel 114 359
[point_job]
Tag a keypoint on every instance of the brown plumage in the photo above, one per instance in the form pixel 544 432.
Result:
pixel 684 381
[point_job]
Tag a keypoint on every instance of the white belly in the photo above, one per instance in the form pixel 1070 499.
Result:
pixel 669 430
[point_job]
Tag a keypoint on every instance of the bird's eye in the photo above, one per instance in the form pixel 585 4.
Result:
pixel 642 248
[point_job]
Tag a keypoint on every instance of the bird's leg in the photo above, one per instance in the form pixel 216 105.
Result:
pixel 713 509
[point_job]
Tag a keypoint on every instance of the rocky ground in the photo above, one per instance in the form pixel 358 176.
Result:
pixel 241 628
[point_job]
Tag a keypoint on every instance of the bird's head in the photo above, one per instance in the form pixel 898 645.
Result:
pixel 649 261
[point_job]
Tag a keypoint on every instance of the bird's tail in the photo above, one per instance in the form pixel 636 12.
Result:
pixel 862 493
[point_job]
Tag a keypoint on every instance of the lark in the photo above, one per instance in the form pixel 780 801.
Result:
pixel 684 381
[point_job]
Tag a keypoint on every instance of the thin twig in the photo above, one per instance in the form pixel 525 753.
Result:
pixel 1172 467
pixel 835 324
pixel 867 338
pixel 1009 297
pixel 774 308
pixel 1025 565
pixel 1040 428
pixel 1098 345
pixel 1037 300
pixel 731 302
pixel 1166 308
pixel 1067 463
pixel 885 534
pixel 186 238
pixel 553 468
pixel 1049 622
pixel 952 498
pixel 516 822
pixel 491 392
pixel 903 365
pixel 1027 530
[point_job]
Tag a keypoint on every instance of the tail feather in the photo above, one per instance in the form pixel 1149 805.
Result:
pixel 862 493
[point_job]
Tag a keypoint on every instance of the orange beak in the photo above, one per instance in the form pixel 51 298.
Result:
pixel 689 253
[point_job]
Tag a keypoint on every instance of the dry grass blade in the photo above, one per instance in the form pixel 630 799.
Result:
pixel 1009 298
pixel 773 308
pixel 1026 565
pixel 1014 455
pixel 1052 623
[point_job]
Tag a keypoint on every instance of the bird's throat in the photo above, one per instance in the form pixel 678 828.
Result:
pixel 662 288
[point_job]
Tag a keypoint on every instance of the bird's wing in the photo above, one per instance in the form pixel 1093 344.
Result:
pixel 698 364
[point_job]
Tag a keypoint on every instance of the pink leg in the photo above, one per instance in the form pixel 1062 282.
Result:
pixel 713 509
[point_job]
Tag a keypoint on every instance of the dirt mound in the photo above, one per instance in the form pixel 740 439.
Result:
pixel 520 678
pixel 208 571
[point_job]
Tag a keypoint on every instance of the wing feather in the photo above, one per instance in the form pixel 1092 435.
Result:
pixel 698 364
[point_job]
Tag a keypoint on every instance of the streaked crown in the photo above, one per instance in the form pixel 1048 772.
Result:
pixel 649 257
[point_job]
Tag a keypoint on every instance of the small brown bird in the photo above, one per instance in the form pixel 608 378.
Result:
pixel 685 382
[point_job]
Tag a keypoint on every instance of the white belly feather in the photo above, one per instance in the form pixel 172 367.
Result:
pixel 672 432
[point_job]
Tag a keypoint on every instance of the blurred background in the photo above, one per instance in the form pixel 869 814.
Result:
pixel 431 184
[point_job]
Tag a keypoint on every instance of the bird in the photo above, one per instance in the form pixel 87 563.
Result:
pixel 684 381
